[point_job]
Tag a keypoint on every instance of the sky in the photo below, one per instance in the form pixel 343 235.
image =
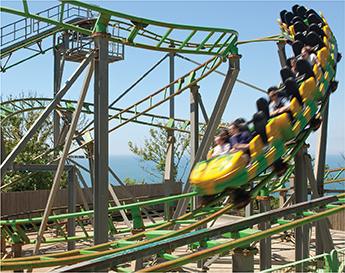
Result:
pixel 259 64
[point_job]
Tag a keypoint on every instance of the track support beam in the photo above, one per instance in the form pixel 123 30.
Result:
pixel 218 110
pixel 320 160
pixel 194 128
pixel 169 161
pixel 301 195
pixel 101 153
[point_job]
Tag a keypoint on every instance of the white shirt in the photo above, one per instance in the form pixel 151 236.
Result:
pixel 222 150
pixel 312 59
pixel 282 102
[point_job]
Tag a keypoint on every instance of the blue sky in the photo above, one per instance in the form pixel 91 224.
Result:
pixel 259 63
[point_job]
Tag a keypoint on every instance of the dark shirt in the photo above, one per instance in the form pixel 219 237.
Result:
pixel 242 138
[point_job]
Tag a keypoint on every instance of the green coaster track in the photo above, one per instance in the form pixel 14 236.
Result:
pixel 152 35
pixel 216 42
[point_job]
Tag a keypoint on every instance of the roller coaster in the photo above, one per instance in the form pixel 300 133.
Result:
pixel 80 34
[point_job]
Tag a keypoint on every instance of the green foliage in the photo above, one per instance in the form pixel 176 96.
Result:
pixel 13 130
pixel 155 148
pixel 129 181
pixel 154 151
pixel 275 203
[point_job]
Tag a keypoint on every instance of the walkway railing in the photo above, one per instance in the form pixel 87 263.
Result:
pixel 326 262
pixel 26 28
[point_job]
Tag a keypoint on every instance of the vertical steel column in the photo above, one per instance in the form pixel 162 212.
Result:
pixel 169 161
pixel 281 53
pixel 243 259
pixel 319 170
pixel 320 153
pixel 265 244
pixel 101 98
pixel 282 198
pixel 71 206
pixel 249 209
pixel 301 195
pixel 194 128
pixel 194 142
pixel 218 110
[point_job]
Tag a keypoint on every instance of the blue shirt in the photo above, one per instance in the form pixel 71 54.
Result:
pixel 242 138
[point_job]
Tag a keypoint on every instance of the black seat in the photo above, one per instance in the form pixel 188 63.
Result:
pixel 311 11
pixel 260 121
pixel 301 37
pixel 288 62
pixel 262 105
pixel 316 28
pixel 304 68
pixel 300 26
pixel 301 10
pixel 314 19
pixel 282 15
pixel 297 47
pixel 292 90
pixel 286 73
pixel 288 18
pixel 294 9
pixel 297 18
pixel 314 40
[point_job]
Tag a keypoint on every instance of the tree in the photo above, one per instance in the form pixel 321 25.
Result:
pixel 129 181
pixel 13 130
pixel 153 153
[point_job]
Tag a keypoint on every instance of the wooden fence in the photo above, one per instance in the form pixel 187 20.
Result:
pixel 337 221
pixel 16 202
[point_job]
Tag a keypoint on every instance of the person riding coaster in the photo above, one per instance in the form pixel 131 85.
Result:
pixel 307 90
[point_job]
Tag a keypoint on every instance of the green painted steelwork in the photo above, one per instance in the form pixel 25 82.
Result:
pixel 332 263
pixel 151 248
pixel 164 267
pixel 185 230
pixel 90 212
pixel 137 26
pixel 230 47
pixel 35 261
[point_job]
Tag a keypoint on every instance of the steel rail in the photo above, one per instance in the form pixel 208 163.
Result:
pixel 280 213
pixel 199 235
pixel 239 242
pixel 110 108
pixel 138 20
pixel 40 261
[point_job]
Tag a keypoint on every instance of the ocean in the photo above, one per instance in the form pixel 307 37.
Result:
pixel 127 166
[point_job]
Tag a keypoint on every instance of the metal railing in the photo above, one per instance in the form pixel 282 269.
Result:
pixel 326 262
pixel 26 28
pixel 80 43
